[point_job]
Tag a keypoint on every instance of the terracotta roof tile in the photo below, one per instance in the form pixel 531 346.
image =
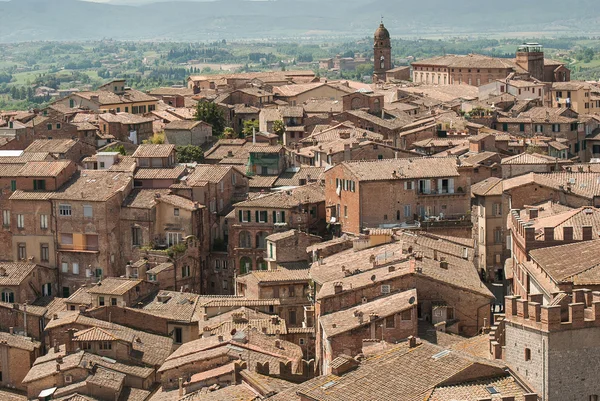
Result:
pixel 152 150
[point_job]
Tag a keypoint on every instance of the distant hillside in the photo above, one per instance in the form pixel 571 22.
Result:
pixel 27 20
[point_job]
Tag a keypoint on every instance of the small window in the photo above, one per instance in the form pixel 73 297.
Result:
pixel 57 126
pixel 527 354
pixel 88 211
pixel 301 341
pixel 406 315
pixel 390 322
pixel 176 211
pixel 39 185
pixel 106 345
pixel 49 126
pixel 178 335
pixel 75 268
pixel 101 301
pixel 64 267
pixel 6 218
pixel 20 221
pixel 13 185
pixel 44 221
pixel 44 253
pixel 136 236
pixel 64 210
pixel 101 164
pixel 113 301
pixel 22 251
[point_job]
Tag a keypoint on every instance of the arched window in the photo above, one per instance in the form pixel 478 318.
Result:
pixel 356 103
pixel 382 62
pixel 245 239
pixel 8 296
pixel 245 265
pixel 261 264
pixel 261 240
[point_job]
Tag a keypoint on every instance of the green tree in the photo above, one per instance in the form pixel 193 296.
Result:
pixel 210 113
pixel 279 128
pixel 249 126
pixel 118 148
pixel 228 133
pixel 189 154
pixel 157 139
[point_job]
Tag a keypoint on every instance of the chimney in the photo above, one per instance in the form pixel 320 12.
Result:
pixel 372 317
pixel 128 270
pixel 59 359
pixel 444 264
pixel 11 330
pixel 56 346
pixel 275 319
pixel 391 268
pixel 55 316
pixel 180 387
pixel 587 233
pixel 337 287
pixel 220 338
pixel 58 367
pixel 533 213
pixel 568 233
pixel 412 341
pixel 69 348
pixel 435 255
pixel 278 344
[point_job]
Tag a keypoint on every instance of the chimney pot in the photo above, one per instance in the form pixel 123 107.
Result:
pixel 412 341
pixel 11 330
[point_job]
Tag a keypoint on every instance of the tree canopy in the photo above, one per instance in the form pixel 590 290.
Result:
pixel 210 113
pixel 189 154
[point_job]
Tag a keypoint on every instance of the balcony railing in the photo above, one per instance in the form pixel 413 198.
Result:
pixel 436 192
pixel 78 248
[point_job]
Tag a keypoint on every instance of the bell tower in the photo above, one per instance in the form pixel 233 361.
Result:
pixel 382 53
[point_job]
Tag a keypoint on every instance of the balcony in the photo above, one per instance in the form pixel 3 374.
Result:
pixel 78 248
pixel 441 192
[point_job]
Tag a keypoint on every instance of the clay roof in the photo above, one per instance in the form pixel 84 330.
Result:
pixel 468 61
pixel 172 173
pixel 173 305
pixel 576 218
pixel 412 372
pixel 152 150
pixel 15 272
pixel 383 170
pixel 114 286
pixel 183 124
pixel 43 169
pixel 80 297
pixel 124 118
pixel 280 275
pixel 311 193
pixel 292 177
pixel 585 185
pixel 93 185
pixel 236 392
pixel 147 348
pixel 20 342
pixel 167 91
pixel 144 198
pixel 212 302
pixel 93 334
pixel 345 320
pixel 107 378
pixel 578 262
pixel 160 268
pixel 207 173
pixel 489 187
pixel 478 390
pixel 107 97
pixel 51 145
pixel 531 158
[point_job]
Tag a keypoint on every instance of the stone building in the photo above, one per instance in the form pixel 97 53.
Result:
pixel 88 234
pixel 538 341
pixel 17 355
pixel 253 220
pixel 382 54
pixel 183 132
pixel 404 190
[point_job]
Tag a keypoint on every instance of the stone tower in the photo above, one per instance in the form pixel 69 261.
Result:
pixel 382 53
pixel 530 57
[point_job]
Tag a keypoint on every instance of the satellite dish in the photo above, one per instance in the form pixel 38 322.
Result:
pixel 411 300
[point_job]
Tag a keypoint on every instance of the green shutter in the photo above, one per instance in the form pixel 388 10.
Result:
pixel 256 216
pixel 282 216
pixel 35 185
pixel 249 216
pixel 240 212
pixel 274 217
pixel 13 185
